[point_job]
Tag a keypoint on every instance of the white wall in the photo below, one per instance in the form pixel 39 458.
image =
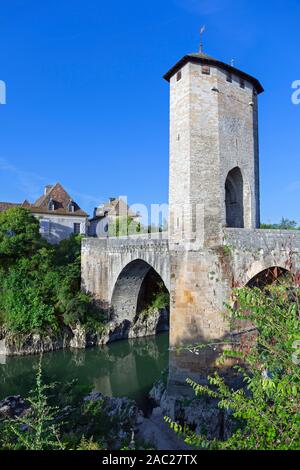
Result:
pixel 55 228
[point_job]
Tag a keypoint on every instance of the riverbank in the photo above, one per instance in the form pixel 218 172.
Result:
pixel 83 336
pixel 123 369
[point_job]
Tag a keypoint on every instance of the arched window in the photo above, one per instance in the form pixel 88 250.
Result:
pixel 234 199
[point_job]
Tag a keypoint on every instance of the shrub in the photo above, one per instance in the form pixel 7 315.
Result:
pixel 266 409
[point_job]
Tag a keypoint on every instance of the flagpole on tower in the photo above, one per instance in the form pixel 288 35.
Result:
pixel 201 39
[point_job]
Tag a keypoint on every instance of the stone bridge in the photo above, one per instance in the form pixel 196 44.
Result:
pixel 114 269
pixel 199 281
pixel 214 243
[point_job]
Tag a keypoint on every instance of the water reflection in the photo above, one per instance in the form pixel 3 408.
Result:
pixel 127 368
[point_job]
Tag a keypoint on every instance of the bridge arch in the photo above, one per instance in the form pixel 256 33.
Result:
pixel 134 289
pixel 265 274
pixel 268 276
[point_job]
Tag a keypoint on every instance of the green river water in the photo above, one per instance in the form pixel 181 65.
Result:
pixel 126 368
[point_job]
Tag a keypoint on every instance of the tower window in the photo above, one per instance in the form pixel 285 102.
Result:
pixel 229 78
pixel 206 69
pixel 179 76
pixel 77 228
pixel 242 83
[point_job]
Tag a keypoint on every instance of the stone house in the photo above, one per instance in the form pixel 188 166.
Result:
pixel 59 215
pixel 107 213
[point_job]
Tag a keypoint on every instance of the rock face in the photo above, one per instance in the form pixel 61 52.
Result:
pixel 79 337
pixel 18 345
pixel 12 406
pixel 123 413
pixel 201 414
pixel 146 324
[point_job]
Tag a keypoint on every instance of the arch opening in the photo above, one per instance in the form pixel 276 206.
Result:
pixel 234 199
pixel 140 301
pixel 268 277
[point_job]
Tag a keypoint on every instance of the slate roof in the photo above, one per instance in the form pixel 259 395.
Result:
pixel 208 60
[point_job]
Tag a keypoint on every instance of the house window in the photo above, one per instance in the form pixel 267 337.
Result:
pixel 242 83
pixel 71 207
pixel 179 76
pixel 51 205
pixel 229 77
pixel 77 228
pixel 206 69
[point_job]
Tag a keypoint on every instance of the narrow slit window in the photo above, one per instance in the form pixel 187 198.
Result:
pixel 229 78
pixel 242 83
pixel 179 76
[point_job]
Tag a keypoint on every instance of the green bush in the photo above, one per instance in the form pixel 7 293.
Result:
pixel 39 283
pixel 266 410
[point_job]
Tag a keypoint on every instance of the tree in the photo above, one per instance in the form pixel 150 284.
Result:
pixel 39 283
pixel 19 235
pixel 123 226
pixel 285 224
pixel 266 410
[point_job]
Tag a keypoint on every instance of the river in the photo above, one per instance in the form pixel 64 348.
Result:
pixel 125 368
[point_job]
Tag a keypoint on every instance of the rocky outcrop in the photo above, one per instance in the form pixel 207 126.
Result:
pixel 12 407
pixel 12 344
pixel 200 414
pixel 147 323
pixel 122 414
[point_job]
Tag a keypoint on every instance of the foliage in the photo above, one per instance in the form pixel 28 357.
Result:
pixel 89 444
pixel 39 283
pixel 19 235
pixel 159 301
pixel 58 418
pixel 285 224
pixel 123 226
pixel 37 429
pixel 266 409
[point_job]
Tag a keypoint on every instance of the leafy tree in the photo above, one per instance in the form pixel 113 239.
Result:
pixel 19 235
pixel 266 409
pixel 285 224
pixel 123 226
pixel 39 283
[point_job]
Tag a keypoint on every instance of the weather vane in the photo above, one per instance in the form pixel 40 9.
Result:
pixel 202 30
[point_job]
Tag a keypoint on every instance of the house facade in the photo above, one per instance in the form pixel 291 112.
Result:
pixel 59 215
pixel 107 213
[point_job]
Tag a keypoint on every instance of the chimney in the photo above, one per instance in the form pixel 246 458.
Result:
pixel 47 189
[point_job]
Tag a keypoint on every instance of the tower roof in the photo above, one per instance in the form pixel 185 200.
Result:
pixel 200 58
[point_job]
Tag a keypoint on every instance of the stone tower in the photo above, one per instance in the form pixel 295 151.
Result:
pixel 214 168
pixel 214 184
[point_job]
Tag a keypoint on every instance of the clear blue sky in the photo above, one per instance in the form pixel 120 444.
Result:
pixel 87 106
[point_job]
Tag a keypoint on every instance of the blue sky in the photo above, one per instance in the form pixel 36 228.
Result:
pixel 87 105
